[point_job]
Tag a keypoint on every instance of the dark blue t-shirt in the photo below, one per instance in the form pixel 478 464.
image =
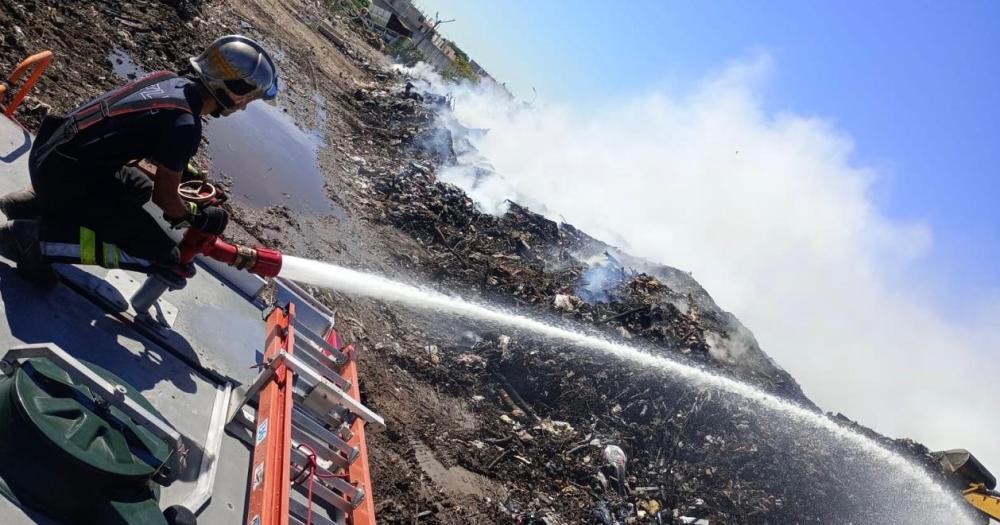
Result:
pixel 168 136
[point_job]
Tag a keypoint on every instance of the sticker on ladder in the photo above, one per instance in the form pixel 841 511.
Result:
pixel 258 477
pixel 255 520
pixel 261 432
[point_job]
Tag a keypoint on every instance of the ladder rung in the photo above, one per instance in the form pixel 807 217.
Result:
pixel 324 493
pixel 349 493
pixel 319 345
pixel 334 414
pixel 354 495
pixel 321 364
pixel 301 437
pixel 297 511
pixel 308 424
pixel 334 393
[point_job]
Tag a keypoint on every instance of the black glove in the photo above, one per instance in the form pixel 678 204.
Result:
pixel 211 220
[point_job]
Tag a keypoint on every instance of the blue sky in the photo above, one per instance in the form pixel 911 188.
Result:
pixel 915 85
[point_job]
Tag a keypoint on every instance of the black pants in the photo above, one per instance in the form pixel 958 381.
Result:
pixel 91 215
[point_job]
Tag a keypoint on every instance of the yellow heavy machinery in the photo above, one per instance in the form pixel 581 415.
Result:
pixel 973 479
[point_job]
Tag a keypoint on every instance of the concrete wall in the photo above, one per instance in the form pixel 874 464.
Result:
pixel 406 11
pixel 432 55
pixel 379 14
pixel 424 37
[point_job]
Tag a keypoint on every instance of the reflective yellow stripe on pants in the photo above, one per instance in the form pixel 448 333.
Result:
pixel 88 246
pixel 112 255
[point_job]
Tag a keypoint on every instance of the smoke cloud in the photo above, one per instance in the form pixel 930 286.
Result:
pixel 774 217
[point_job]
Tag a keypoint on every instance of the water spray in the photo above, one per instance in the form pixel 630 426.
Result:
pixel 363 284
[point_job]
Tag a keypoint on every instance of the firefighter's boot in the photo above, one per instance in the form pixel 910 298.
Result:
pixel 21 204
pixel 19 241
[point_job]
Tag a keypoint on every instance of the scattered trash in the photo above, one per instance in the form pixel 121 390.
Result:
pixel 564 302
pixel 650 506
pixel 614 457
pixel 433 354
pixel 601 514
pixel 556 428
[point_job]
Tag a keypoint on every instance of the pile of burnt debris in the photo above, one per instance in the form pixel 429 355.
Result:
pixel 392 114
pixel 523 260
pixel 577 437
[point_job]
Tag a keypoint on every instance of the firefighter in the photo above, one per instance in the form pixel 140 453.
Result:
pixel 87 196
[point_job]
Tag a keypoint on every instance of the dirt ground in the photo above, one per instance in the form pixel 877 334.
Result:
pixel 486 425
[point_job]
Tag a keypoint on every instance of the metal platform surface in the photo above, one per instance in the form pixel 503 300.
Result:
pixel 218 335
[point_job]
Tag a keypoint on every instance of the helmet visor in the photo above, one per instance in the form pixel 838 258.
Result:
pixel 267 77
pixel 271 91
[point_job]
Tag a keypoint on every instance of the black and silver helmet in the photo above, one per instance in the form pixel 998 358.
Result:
pixel 236 70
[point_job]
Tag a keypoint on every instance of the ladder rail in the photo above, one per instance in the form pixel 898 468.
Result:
pixel 270 472
pixel 358 472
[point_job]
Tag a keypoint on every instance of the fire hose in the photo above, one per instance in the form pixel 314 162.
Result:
pixel 261 261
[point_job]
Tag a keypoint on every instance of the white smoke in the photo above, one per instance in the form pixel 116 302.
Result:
pixel 729 349
pixel 772 214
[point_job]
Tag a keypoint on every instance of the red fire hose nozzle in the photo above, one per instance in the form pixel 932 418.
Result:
pixel 261 261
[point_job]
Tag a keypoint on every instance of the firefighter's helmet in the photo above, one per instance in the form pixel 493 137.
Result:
pixel 236 70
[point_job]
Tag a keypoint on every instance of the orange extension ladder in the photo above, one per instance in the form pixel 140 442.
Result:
pixel 308 432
